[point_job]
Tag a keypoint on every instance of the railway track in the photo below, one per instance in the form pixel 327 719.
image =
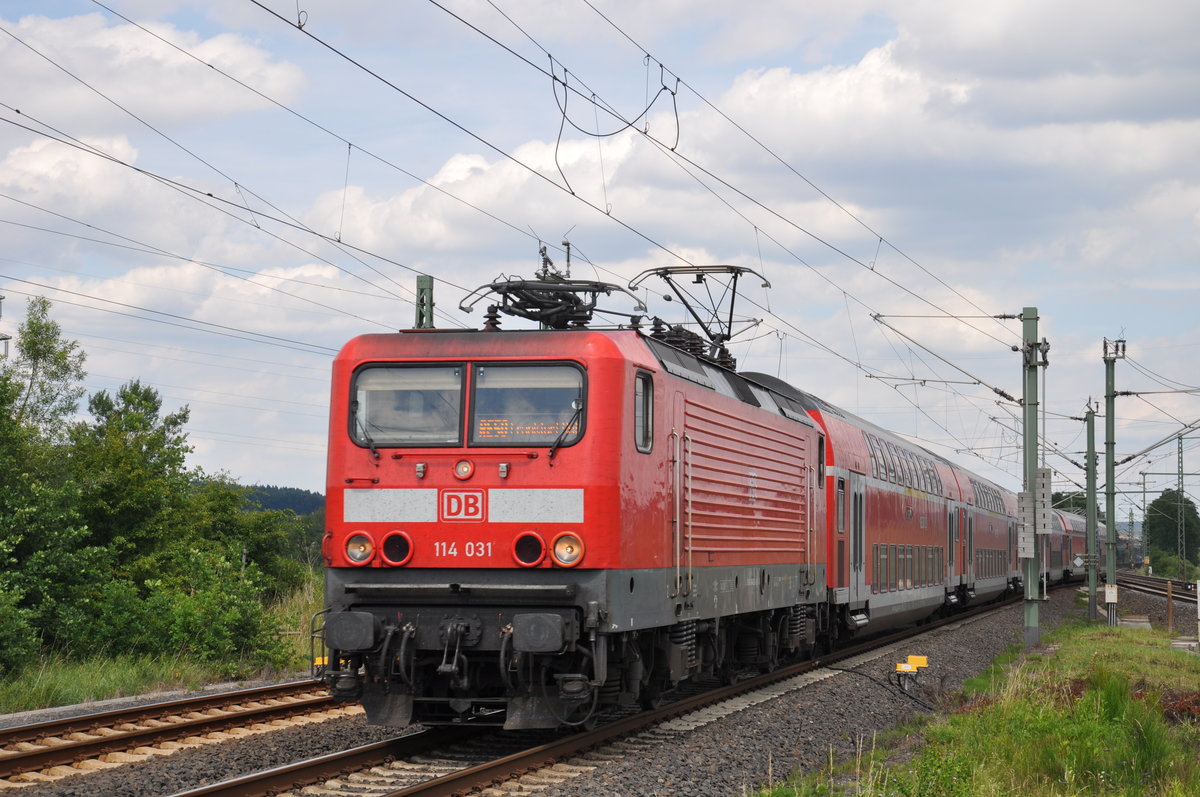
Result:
pixel 60 748
pixel 1179 590
pixel 458 760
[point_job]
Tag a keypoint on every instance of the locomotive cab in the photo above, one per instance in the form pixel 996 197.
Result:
pixel 465 526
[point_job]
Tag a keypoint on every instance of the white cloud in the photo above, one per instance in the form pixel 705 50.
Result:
pixel 147 77
pixel 1024 153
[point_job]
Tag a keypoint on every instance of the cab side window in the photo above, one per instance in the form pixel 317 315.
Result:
pixel 643 412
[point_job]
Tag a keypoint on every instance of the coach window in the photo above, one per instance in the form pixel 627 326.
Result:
pixel 820 461
pixel 643 412
pixel 841 506
pixel 880 568
pixel 890 456
pixel 905 477
pixel 915 461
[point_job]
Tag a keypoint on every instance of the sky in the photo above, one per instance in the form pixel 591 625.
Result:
pixel 215 196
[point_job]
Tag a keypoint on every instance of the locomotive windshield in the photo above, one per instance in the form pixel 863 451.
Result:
pixel 404 406
pixel 408 406
pixel 526 405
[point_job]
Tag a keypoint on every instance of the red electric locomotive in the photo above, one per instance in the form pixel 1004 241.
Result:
pixel 524 527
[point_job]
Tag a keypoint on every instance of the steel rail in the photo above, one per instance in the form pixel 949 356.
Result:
pixel 314 770
pixel 1180 590
pixel 306 773
pixel 494 772
pixel 105 726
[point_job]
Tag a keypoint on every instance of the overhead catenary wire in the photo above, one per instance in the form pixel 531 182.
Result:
pixel 792 169
pixel 148 249
pixel 205 196
pixel 139 246
pixel 180 321
pixel 498 150
pixel 630 124
pixel 857 357
pixel 221 204
pixel 238 187
pixel 690 163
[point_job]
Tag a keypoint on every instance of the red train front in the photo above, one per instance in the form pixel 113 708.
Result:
pixel 505 513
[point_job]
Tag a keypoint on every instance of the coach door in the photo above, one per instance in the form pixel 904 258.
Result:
pixel 969 549
pixel 959 545
pixel 965 547
pixel 952 543
pixel 858 525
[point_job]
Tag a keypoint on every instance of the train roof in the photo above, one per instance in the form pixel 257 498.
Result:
pixel 792 402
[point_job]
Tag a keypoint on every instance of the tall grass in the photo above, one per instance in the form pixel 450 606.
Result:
pixel 63 679
pixel 58 681
pixel 293 614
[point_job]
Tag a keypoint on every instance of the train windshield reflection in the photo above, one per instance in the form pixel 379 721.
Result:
pixel 408 406
pixel 526 405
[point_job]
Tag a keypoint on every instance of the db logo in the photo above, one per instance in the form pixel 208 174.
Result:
pixel 462 505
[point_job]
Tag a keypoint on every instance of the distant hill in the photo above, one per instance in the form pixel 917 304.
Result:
pixel 268 496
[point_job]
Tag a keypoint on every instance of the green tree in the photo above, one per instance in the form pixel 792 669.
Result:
pixel 130 464
pixel 44 554
pixel 266 539
pixel 16 627
pixel 46 372
pixel 1161 528
pixel 108 541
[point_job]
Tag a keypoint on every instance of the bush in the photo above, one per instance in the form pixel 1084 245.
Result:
pixel 212 609
pixel 20 641
pixel 1168 565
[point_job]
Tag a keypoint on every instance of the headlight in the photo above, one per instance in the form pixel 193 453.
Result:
pixel 359 548
pixel 464 469
pixel 568 549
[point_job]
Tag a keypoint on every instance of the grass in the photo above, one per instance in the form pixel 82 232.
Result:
pixel 1112 711
pixel 58 681
pixel 293 614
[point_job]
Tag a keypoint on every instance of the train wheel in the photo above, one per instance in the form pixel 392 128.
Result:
pixel 651 697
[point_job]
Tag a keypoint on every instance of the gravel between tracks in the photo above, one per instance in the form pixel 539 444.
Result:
pixel 732 756
pixel 738 754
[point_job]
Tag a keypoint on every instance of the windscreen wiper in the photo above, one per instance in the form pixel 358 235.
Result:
pixel 362 426
pixel 558 441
